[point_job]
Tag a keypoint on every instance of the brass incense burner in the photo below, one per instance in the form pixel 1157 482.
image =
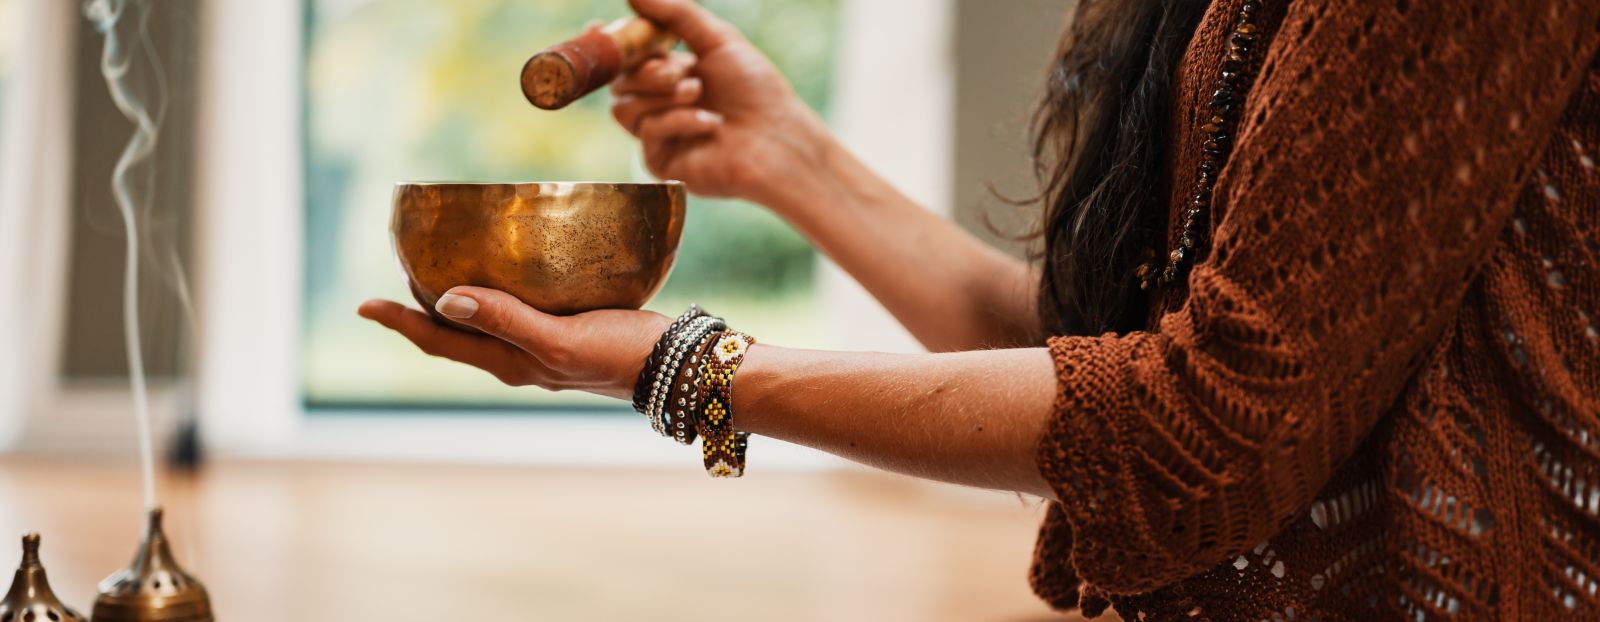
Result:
pixel 152 588
pixel 560 247
pixel 30 597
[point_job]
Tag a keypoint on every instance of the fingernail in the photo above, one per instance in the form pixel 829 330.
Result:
pixel 707 116
pixel 458 307
pixel 687 91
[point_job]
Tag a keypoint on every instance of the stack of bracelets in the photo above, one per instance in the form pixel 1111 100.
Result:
pixel 686 388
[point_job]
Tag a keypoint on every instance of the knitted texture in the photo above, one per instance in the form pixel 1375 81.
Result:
pixel 1378 395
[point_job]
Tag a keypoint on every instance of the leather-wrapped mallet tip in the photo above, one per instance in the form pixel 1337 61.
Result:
pixel 550 82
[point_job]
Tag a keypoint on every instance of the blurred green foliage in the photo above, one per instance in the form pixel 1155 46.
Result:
pixel 408 90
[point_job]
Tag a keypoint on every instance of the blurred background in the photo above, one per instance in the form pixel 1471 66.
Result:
pixel 316 467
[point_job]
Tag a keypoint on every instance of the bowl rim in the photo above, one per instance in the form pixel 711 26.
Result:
pixel 670 182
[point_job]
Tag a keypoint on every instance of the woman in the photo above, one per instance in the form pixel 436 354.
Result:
pixel 1315 334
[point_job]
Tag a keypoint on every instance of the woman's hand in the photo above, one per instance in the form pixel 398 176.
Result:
pixel 726 123
pixel 599 352
pixel 720 119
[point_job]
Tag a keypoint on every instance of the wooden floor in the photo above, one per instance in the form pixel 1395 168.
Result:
pixel 336 542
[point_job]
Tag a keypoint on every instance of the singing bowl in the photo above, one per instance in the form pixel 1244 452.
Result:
pixel 561 247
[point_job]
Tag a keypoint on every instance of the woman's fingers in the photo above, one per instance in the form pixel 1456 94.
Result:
pixel 677 124
pixel 668 138
pixel 629 110
pixel 501 315
pixel 508 363
pixel 701 30
pixel 657 76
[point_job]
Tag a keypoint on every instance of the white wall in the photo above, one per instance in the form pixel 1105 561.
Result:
pixel 35 170
pixel 894 109
pixel 1003 50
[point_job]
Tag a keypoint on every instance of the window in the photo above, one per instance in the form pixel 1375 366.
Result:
pixel 402 90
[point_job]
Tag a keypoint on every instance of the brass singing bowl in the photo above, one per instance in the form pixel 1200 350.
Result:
pixel 561 247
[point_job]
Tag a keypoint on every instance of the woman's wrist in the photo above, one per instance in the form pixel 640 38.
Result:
pixel 685 389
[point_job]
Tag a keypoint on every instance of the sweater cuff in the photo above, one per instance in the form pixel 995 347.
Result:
pixel 1088 458
pixel 1051 576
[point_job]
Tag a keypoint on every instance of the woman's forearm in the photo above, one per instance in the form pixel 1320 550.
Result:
pixel 948 288
pixel 971 418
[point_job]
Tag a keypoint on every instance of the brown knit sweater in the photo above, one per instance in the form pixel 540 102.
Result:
pixel 1378 396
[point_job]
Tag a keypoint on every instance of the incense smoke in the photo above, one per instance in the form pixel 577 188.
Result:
pixel 132 185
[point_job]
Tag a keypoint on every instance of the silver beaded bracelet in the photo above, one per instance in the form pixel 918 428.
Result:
pixel 675 423
pixel 640 395
pixel 661 385
pixel 670 364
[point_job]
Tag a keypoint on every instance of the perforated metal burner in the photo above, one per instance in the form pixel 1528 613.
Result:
pixel 30 598
pixel 153 588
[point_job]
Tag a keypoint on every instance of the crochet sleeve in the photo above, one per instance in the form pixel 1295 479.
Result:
pixel 1379 155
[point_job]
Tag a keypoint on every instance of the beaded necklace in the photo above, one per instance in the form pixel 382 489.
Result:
pixel 1218 129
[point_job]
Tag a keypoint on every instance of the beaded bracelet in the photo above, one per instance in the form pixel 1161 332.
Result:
pixel 722 447
pixel 684 396
pixel 658 380
pixel 683 344
pixel 685 388
pixel 655 376
pixel 642 386
pixel 688 344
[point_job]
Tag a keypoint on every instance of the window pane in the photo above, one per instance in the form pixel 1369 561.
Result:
pixel 424 90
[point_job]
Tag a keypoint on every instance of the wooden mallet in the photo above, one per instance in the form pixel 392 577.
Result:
pixel 566 72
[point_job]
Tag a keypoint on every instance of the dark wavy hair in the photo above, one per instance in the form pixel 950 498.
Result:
pixel 1099 147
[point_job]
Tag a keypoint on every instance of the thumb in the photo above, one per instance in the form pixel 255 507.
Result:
pixel 702 31
pixel 500 315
